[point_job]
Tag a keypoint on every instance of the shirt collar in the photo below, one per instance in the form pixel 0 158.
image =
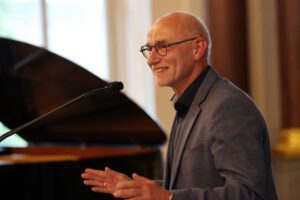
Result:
pixel 183 103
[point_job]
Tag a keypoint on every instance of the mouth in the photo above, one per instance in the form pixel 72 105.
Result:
pixel 158 70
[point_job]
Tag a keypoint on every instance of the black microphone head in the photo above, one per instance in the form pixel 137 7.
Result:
pixel 115 86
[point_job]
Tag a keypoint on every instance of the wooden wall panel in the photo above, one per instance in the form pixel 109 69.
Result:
pixel 227 25
pixel 289 45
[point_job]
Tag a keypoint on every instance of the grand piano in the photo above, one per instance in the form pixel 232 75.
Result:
pixel 103 129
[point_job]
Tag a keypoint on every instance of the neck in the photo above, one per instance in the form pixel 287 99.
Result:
pixel 181 86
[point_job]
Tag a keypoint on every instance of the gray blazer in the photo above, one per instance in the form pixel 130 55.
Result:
pixel 223 151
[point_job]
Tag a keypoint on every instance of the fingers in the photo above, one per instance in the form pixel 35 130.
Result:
pixel 94 183
pixel 104 174
pixel 128 193
pixel 127 184
pixel 94 174
pixel 98 186
pixel 97 179
pixel 104 181
pixel 129 189
pixel 116 176
pixel 115 183
pixel 101 187
pixel 121 186
pixel 137 177
pixel 94 171
pixel 104 189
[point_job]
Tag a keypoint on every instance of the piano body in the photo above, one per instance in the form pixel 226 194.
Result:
pixel 97 131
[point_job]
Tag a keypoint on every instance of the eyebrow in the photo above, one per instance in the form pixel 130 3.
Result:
pixel 158 41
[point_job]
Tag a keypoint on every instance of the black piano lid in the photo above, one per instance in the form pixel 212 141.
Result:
pixel 34 81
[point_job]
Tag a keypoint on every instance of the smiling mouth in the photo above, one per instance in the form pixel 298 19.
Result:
pixel 159 69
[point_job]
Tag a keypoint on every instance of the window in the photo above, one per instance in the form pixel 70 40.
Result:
pixel 74 29
pixel 77 31
pixel 20 20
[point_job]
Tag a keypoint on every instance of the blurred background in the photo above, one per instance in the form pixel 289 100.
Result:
pixel 255 44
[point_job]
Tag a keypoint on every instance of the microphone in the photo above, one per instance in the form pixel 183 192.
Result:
pixel 115 86
pixel 110 87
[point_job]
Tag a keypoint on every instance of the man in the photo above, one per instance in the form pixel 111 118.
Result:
pixel 219 146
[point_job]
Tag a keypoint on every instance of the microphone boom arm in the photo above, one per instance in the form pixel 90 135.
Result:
pixel 113 86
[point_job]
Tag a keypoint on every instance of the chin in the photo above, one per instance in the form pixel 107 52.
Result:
pixel 161 84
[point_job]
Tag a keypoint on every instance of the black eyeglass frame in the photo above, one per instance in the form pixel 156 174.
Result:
pixel 161 45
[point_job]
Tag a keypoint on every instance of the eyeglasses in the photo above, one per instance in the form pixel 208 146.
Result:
pixel 160 47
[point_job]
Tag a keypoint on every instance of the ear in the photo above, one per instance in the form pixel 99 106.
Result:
pixel 200 47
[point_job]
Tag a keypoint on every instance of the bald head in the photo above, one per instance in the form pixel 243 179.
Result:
pixel 183 25
pixel 177 50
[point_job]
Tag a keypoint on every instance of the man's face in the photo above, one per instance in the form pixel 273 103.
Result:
pixel 176 68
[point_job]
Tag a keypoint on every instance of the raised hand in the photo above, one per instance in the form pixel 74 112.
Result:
pixel 140 188
pixel 103 181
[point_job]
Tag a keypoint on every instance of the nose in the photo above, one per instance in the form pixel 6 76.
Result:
pixel 153 58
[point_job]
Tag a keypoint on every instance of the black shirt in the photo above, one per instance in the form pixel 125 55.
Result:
pixel 182 105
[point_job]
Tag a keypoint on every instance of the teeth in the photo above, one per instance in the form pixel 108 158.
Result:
pixel 158 70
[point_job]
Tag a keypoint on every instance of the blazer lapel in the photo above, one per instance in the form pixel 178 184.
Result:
pixel 183 138
pixel 192 115
pixel 167 173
